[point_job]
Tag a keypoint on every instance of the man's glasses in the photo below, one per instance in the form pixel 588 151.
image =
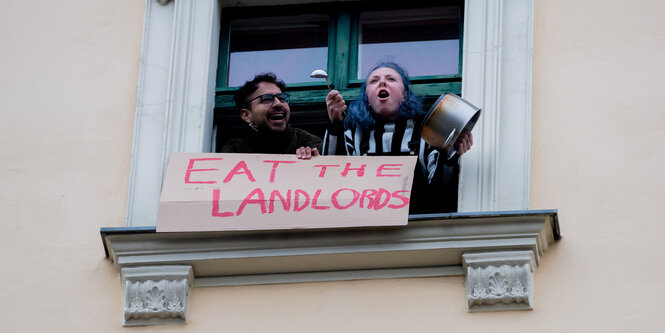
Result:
pixel 269 99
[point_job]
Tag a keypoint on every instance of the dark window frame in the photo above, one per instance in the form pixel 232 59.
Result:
pixel 307 99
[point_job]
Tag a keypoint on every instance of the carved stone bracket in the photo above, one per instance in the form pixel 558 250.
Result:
pixel 156 295
pixel 499 280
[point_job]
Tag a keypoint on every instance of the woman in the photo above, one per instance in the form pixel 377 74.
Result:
pixel 385 120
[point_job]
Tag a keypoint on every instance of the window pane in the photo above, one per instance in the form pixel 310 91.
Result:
pixel 289 46
pixel 425 41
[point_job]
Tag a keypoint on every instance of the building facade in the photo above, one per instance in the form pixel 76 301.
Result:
pixel 96 95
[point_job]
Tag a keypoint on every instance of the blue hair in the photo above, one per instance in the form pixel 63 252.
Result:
pixel 360 113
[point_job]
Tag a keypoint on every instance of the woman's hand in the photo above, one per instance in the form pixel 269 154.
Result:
pixel 305 153
pixel 336 106
pixel 464 142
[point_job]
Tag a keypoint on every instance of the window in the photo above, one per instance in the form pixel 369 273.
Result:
pixel 426 42
pixel 176 98
pixel 288 46
pixel 345 39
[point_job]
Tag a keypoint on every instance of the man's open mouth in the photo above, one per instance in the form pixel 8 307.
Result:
pixel 276 116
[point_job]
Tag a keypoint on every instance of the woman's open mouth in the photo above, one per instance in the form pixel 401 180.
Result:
pixel 383 94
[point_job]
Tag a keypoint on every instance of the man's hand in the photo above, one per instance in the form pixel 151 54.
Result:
pixel 336 106
pixel 464 142
pixel 305 153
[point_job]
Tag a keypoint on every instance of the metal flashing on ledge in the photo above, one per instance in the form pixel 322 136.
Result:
pixel 481 246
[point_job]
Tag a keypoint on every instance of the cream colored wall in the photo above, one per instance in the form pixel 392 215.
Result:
pixel 598 156
pixel 69 72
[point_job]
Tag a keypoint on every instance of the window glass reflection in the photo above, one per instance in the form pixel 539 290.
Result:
pixel 289 46
pixel 425 41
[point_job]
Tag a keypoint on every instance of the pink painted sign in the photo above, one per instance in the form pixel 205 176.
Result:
pixel 209 192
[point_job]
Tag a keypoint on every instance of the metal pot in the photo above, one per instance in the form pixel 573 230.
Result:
pixel 449 116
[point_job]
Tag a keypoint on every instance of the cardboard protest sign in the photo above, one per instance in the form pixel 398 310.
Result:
pixel 207 192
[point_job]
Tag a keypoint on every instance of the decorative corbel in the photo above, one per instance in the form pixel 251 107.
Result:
pixel 156 295
pixel 499 280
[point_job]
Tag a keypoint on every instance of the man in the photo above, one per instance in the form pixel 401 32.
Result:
pixel 264 106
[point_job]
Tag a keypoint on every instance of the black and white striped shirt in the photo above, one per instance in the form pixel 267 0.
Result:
pixel 434 177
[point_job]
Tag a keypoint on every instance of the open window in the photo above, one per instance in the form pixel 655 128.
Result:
pixel 345 39
pixel 182 105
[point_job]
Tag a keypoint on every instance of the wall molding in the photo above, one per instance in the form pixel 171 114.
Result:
pixel 175 95
pixel 496 76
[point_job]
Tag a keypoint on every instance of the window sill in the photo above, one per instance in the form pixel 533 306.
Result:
pixel 488 248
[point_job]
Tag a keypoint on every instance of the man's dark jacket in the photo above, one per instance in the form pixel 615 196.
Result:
pixel 270 142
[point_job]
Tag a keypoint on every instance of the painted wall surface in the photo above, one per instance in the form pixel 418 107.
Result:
pixel 598 156
pixel 67 99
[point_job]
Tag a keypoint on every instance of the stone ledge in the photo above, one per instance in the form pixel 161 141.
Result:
pixel 477 245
